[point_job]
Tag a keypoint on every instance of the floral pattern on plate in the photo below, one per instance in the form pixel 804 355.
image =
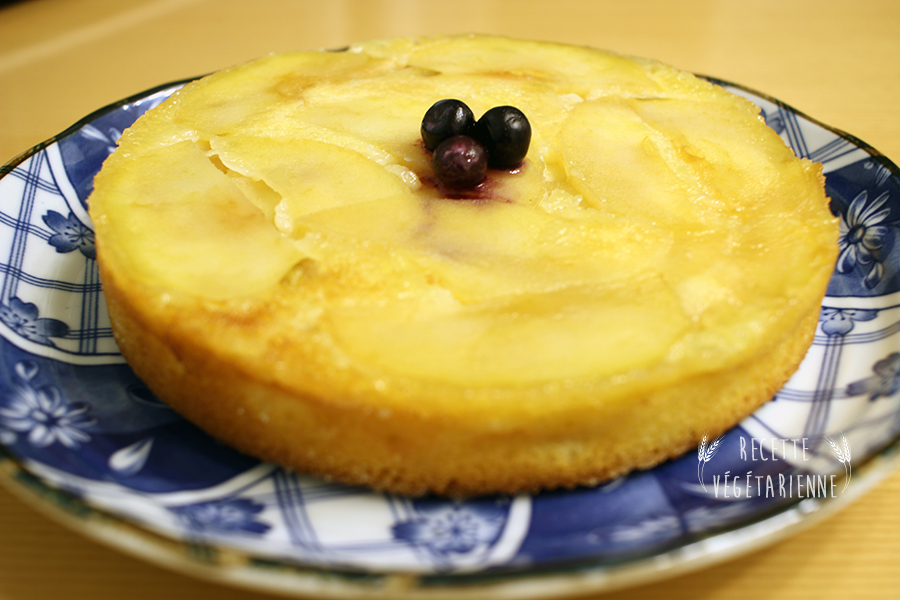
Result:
pixel 74 416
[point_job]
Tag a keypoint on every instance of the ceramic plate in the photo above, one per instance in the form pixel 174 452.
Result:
pixel 83 438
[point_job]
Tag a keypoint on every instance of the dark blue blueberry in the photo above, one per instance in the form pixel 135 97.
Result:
pixel 460 162
pixel 445 119
pixel 505 133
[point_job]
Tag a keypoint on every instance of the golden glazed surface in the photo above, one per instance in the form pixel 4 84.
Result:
pixel 281 267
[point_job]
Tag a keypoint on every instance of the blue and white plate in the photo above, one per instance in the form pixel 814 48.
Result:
pixel 83 437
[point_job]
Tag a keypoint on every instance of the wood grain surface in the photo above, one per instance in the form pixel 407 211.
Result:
pixel 836 61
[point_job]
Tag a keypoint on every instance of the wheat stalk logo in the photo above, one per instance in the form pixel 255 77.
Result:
pixel 705 452
pixel 842 453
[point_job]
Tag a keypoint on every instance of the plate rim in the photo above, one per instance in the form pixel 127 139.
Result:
pixel 243 569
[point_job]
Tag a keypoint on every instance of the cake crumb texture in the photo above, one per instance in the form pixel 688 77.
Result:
pixel 282 268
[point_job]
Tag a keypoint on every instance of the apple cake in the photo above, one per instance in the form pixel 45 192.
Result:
pixel 283 268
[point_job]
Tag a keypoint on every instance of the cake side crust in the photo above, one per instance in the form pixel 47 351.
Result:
pixel 281 268
pixel 410 453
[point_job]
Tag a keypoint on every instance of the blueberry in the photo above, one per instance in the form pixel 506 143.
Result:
pixel 506 133
pixel 444 119
pixel 460 162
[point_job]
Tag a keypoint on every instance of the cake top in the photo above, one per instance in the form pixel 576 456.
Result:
pixel 656 227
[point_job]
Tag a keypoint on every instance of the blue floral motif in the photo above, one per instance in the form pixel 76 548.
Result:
pixel 227 516
pixel 840 321
pixel 863 234
pixel 71 234
pixel 450 529
pixel 22 318
pixel 108 139
pixel 885 382
pixel 882 173
pixel 43 414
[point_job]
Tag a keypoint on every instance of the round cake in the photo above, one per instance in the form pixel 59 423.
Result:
pixel 283 268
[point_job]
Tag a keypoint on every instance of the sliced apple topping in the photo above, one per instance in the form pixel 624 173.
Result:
pixel 310 180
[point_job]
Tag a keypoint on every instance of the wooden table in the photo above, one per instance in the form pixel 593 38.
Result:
pixel 836 61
